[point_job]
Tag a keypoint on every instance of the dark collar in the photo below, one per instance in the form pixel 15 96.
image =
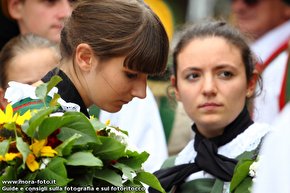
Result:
pixel 66 89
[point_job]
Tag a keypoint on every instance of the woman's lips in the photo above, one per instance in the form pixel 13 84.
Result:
pixel 209 105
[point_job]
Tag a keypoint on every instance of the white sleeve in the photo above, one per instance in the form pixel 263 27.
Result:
pixel 274 171
pixel 142 120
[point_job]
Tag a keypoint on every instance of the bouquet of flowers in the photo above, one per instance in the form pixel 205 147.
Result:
pixel 45 150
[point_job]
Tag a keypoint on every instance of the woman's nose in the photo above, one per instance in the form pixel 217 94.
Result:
pixel 139 89
pixel 209 86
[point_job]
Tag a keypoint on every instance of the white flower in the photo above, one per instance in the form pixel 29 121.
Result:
pixel 121 137
pixel 254 167
pixel 44 163
pixel 118 135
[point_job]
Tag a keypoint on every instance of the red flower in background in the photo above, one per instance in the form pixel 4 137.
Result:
pixel 52 139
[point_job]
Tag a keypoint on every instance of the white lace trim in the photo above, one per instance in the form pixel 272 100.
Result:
pixel 246 141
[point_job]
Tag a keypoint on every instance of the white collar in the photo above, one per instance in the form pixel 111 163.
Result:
pixel 246 141
pixel 270 42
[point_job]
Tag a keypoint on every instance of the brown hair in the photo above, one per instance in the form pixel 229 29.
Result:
pixel 4 8
pixel 21 44
pixel 118 28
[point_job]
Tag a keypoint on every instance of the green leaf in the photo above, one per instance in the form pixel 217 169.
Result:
pixel 9 174
pixel 23 148
pixel 109 149
pixel 48 126
pixel 77 122
pixel 135 159
pixel 28 177
pixel 53 82
pixel 65 148
pixel 10 126
pixel 81 175
pixel 109 176
pixel 53 101
pixel 240 173
pixel 55 170
pixel 245 186
pixel 4 146
pixel 134 184
pixel 43 89
pixel 127 171
pixel 83 159
pixel 97 124
pixel 30 127
pixel 150 180
pixel 247 155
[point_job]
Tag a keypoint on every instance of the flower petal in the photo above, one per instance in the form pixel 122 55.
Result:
pixel 21 119
pixel 47 151
pixel 11 156
pixel 31 163
pixel 37 146
pixel 9 113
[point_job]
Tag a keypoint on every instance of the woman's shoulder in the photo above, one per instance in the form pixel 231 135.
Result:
pixel 246 141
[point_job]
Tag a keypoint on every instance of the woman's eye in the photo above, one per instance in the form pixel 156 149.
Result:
pixel 226 74
pixel 192 76
pixel 131 75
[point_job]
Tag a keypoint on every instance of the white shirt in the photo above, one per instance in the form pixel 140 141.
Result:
pixel 273 174
pixel 267 103
pixel 142 120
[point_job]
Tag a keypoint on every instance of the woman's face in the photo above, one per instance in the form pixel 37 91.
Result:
pixel 30 66
pixel 42 17
pixel 211 83
pixel 110 85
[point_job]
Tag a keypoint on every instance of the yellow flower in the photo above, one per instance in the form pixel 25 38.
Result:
pixel 37 146
pixel 31 163
pixel 39 149
pixel 9 117
pixel 47 151
pixel 11 156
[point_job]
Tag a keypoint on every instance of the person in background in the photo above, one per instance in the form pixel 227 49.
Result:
pixel 43 18
pixel 214 78
pixel 272 173
pixel 273 166
pixel 46 18
pixel 26 59
pixel 267 22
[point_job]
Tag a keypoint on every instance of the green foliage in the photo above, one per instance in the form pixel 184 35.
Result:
pixel 88 151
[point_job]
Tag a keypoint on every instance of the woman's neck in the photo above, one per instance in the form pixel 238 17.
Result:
pixel 77 78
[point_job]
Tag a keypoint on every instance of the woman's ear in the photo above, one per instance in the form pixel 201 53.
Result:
pixel 3 101
pixel 252 84
pixel 84 57
pixel 173 84
pixel 15 9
